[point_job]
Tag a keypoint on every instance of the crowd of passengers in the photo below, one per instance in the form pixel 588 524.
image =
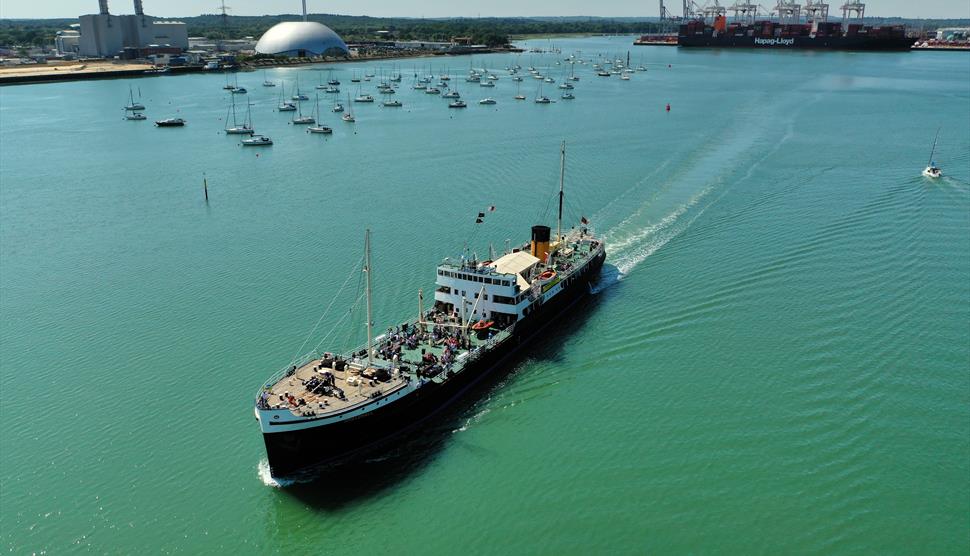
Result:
pixel 410 337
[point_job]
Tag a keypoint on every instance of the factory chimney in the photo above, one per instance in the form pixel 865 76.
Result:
pixel 139 10
pixel 103 4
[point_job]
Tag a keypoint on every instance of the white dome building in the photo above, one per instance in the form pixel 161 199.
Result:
pixel 301 38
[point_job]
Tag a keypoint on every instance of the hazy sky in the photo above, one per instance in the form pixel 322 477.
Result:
pixel 440 8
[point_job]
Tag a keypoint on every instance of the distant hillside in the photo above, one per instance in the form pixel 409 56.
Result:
pixel 491 30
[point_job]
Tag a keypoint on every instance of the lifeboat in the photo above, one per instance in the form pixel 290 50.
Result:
pixel 547 275
pixel 483 325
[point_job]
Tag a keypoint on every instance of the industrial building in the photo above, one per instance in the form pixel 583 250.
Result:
pixel 301 39
pixel 106 35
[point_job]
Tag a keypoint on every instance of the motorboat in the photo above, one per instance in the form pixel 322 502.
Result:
pixel 239 91
pixel 486 84
pixel 542 100
pixel 451 94
pixel 432 91
pixel 568 96
pixel 364 98
pixel 338 107
pixel 170 122
pixel 135 116
pixel 393 103
pixel 488 101
pixel 519 97
pixel 457 104
pixel 257 141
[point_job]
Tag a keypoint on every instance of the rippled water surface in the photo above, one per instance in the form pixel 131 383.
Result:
pixel 776 359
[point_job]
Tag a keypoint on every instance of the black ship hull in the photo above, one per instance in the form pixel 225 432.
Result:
pixel 860 42
pixel 292 451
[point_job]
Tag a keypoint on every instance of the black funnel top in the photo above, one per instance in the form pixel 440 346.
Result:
pixel 540 233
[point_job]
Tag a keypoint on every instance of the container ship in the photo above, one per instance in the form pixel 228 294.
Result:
pixel 772 34
pixel 789 25
pixel 328 407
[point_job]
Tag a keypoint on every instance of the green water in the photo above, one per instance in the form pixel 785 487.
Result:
pixel 777 361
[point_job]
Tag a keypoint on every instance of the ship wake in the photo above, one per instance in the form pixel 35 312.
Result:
pixel 671 201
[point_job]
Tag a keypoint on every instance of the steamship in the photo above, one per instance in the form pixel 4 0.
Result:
pixel 329 407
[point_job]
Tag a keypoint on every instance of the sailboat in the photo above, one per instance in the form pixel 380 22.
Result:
pixel 349 116
pixel 392 103
pixel 363 97
pixel 518 93
pixel 540 98
pixel 246 128
pixel 318 128
pixel 300 119
pixel 228 86
pixel 299 96
pixel 267 82
pixel 132 105
pixel 285 106
pixel 932 170
pixel 331 81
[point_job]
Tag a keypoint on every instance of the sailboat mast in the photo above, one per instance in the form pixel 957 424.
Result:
pixel 562 178
pixel 933 150
pixel 370 319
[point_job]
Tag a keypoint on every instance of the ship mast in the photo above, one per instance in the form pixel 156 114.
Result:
pixel 562 177
pixel 370 319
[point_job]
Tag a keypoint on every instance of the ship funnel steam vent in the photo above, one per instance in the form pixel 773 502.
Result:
pixel 103 5
pixel 540 242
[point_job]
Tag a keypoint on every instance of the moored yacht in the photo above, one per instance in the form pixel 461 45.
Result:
pixel 133 106
pixel 257 141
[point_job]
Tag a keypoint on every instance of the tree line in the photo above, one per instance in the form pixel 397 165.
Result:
pixel 489 31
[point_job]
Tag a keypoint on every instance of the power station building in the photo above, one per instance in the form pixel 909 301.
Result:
pixel 106 35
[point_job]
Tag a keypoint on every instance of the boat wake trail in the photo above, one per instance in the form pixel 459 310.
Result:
pixel 683 192
pixel 268 479
pixel 633 249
